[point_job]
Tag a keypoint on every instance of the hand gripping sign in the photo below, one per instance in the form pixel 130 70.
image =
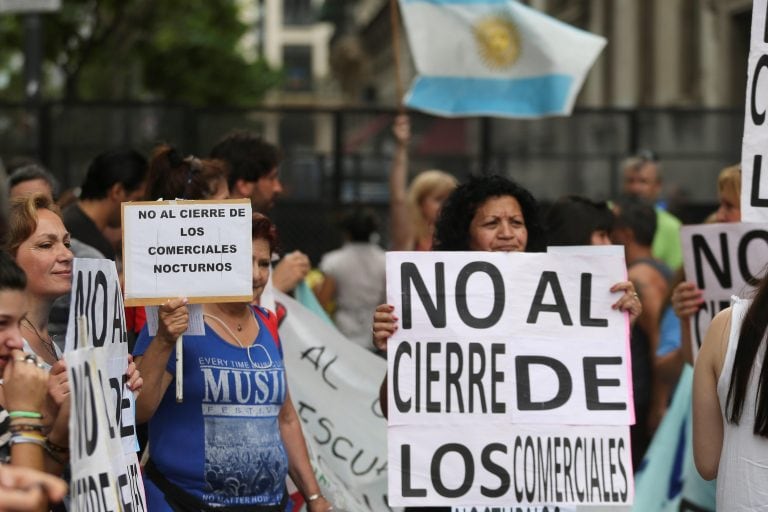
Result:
pixel 195 249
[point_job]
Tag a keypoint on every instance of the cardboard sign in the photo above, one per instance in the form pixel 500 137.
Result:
pixel 195 249
pixel 754 178
pixel 498 350
pixel 723 260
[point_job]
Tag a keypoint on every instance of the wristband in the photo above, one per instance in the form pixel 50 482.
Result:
pixel 314 497
pixel 25 414
pixel 25 427
pixel 23 439
pixel 53 447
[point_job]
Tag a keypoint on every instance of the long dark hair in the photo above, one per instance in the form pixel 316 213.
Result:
pixel 753 330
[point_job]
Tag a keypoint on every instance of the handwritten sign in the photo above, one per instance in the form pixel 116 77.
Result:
pixel 197 249
pixel 508 380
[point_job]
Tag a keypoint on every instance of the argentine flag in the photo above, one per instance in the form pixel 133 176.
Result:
pixel 495 58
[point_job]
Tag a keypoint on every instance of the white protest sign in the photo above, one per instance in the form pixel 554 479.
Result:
pixel 103 478
pixel 722 260
pixel 754 179
pixel 96 294
pixel 195 249
pixel 334 384
pixel 496 347
pixel 96 297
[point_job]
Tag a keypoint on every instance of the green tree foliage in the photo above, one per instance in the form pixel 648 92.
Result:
pixel 173 50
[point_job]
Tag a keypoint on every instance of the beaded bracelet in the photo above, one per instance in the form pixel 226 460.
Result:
pixel 25 427
pixel 53 447
pixel 57 453
pixel 25 414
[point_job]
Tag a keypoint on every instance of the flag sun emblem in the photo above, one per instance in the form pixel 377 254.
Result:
pixel 498 41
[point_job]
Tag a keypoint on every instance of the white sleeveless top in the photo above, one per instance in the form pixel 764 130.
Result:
pixel 742 476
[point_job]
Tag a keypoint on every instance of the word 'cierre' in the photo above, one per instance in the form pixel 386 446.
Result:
pixel 465 378
pixel 192 213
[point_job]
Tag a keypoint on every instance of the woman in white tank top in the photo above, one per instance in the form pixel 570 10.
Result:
pixel 730 424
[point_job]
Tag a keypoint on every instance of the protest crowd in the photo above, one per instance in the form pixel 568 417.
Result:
pixel 161 352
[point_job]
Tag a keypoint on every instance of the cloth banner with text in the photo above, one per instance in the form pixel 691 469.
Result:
pixel 509 380
pixel 334 385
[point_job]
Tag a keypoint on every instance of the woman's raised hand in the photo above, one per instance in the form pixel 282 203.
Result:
pixel 25 383
pixel 687 299
pixel 629 300
pixel 173 320
pixel 384 325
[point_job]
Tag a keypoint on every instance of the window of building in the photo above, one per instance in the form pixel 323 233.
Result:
pixel 297 66
pixel 298 12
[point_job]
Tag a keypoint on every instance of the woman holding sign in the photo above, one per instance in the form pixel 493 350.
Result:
pixel 39 242
pixel 489 213
pixel 232 441
pixel 24 440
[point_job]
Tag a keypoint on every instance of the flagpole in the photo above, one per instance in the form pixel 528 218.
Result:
pixel 394 19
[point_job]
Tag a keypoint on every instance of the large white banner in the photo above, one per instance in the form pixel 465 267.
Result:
pixel 504 364
pixel 195 249
pixel 754 180
pixel 722 260
pixel 334 384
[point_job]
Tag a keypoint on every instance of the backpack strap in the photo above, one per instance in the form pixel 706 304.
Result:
pixel 270 320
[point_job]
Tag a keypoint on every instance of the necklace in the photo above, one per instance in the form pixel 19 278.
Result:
pixel 48 344
pixel 231 333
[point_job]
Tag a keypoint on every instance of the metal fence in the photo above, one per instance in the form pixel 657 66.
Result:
pixel 337 157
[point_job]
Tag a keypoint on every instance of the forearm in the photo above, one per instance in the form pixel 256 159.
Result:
pixel 152 365
pixel 401 231
pixel 299 466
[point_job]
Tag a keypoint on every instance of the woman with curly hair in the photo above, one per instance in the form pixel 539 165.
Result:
pixel 488 213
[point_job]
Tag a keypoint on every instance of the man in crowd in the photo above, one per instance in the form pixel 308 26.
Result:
pixel 253 174
pixel 635 224
pixel 113 177
pixel 642 178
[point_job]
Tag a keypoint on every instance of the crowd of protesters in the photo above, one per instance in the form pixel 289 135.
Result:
pixel 433 213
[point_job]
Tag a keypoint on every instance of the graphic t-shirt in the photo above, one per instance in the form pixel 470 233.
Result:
pixel 222 443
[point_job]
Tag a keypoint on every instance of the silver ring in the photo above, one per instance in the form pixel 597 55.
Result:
pixel 635 295
pixel 30 358
pixel 41 366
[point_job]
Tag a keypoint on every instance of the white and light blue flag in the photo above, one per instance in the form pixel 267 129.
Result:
pixel 494 57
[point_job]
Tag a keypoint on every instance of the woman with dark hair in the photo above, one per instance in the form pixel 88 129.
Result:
pixel 488 213
pixel 353 277
pixel 576 220
pixel 230 444
pixel 730 409
pixel 171 176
